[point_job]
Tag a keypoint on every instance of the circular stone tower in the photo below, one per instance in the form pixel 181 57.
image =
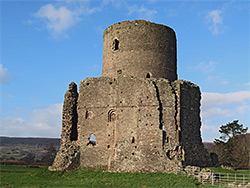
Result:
pixel 140 49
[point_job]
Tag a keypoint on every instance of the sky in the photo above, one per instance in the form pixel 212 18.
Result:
pixel 45 45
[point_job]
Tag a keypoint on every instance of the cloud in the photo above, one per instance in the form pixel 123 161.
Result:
pixel 58 20
pixel 215 21
pixel 204 67
pixel 247 84
pixel 208 71
pixel 142 11
pixel 209 133
pixel 41 123
pixel 216 79
pixel 63 15
pixel 219 108
pixel 243 109
pixel 210 129
pixel 226 105
pixel 5 76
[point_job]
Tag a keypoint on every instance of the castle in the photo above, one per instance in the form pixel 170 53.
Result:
pixel 136 117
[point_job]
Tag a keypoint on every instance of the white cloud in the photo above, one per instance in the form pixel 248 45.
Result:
pixel 211 112
pixel 42 123
pixel 209 133
pixel 58 20
pixel 226 105
pixel 210 129
pixel 204 67
pixel 243 109
pixel 5 76
pixel 215 21
pixel 208 70
pixel 63 15
pixel 223 99
pixel 247 84
pixel 142 11
pixel 216 79
pixel 219 108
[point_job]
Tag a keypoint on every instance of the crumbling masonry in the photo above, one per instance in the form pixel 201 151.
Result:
pixel 142 117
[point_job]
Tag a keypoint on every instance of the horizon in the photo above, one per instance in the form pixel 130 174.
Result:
pixel 45 45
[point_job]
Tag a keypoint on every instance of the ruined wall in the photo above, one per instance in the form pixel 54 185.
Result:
pixel 143 119
pixel 189 123
pixel 135 138
pixel 141 49
pixel 141 125
pixel 68 154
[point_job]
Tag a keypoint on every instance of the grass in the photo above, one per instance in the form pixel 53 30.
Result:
pixel 224 173
pixel 21 176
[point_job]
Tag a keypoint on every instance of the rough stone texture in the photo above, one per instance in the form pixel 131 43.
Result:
pixel 189 124
pixel 68 156
pixel 143 119
pixel 140 48
pixel 135 139
pixel 203 175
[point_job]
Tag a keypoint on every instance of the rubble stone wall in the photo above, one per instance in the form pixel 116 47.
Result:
pixel 136 138
pixel 141 49
pixel 68 155
pixel 143 118
pixel 189 123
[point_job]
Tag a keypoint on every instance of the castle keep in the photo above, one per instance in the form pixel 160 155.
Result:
pixel 141 117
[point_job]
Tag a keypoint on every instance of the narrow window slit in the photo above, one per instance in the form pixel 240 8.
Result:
pixel 133 140
pixel 115 45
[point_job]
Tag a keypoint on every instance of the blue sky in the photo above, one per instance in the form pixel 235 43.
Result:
pixel 45 45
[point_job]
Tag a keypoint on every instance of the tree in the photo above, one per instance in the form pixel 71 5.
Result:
pixel 235 152
pixel 232 147
pixel 230 130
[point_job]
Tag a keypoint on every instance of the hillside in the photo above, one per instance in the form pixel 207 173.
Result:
pixel 208 145
pixel 17 148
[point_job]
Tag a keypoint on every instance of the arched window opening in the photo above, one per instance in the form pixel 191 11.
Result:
pixel 115 45
pixel 89 115
pixel 92 140
pixel 148 75
pixel 111 116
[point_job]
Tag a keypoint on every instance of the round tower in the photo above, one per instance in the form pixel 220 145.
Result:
pixel 141 49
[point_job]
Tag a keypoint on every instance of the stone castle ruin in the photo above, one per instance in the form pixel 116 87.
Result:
pixel 136 117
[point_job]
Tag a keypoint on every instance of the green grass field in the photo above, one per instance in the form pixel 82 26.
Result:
pixel 21 176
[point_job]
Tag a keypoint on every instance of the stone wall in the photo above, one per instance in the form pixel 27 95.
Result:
pixel 135 137
pixel 140 125
pixel 141 49
pixel 68 155
pixel 189 123
pixel 143 119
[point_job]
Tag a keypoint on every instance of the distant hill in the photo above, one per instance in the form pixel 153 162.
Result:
pixel 208 145
pixel 17 148
pixel 7 141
